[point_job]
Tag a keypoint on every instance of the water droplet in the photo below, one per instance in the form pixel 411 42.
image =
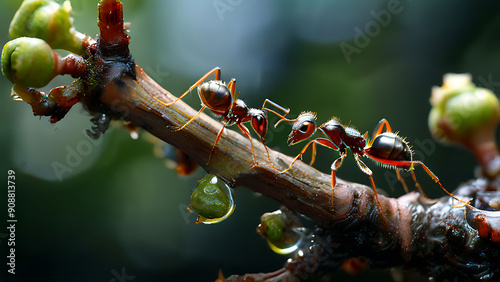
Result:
pixel 282 230
pixel 212 200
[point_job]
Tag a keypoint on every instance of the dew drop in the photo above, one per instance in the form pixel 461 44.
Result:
pixel 212 200
pixel 282 230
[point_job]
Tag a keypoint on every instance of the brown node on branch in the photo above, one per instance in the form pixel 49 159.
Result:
pixel 113 39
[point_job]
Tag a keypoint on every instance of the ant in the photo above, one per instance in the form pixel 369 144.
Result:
pixel 221 100
pixel 385 148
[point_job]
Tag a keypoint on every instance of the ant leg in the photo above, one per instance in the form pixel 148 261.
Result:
pixel 335 165
pixel 436 179
pixel 325 142
pixel 379 206
pixel 379 129
pixel 267 152
pixel 231 85
pixel 403 181
pixel 216 70
pixel 286 111
pixel 219 135
pixel 199 112
pixel 321 141
pixel 275 105
pixel 420 190
pixel 418 185
pixel 368 171
pixel 292 121
pixel 313 157
pixel 244 130
pixel 410 164
pixel 299 155
pixel 283 118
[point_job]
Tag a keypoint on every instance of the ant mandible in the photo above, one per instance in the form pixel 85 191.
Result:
pixel 385 147
pixel 220 99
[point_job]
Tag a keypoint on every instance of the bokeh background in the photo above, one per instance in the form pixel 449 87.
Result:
pixel 118 209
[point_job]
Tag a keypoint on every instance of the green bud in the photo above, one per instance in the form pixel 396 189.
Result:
pixel 212 200
pixel 461 110
pixel 28 62
pixel 467 115
pixel 49 21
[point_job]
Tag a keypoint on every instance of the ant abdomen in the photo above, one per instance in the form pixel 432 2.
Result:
pixel 215 95
pixel 389 146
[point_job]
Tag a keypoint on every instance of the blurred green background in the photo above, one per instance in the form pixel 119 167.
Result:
pixel 119 210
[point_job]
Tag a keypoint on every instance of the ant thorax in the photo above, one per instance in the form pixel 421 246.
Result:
pixel 351 132
pixel 334 130
pixel 354 140
pixel 239 112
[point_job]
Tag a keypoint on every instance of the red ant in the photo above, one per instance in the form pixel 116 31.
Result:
pixel 385 147
pixel 220 99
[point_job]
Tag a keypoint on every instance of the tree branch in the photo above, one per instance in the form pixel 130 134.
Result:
pixel 302 189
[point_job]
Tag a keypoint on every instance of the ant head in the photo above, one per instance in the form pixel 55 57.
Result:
pixel 259 122
pixel 303 127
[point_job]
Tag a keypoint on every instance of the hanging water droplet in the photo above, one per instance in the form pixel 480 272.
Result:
pixel 212 200
pixel 282 230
